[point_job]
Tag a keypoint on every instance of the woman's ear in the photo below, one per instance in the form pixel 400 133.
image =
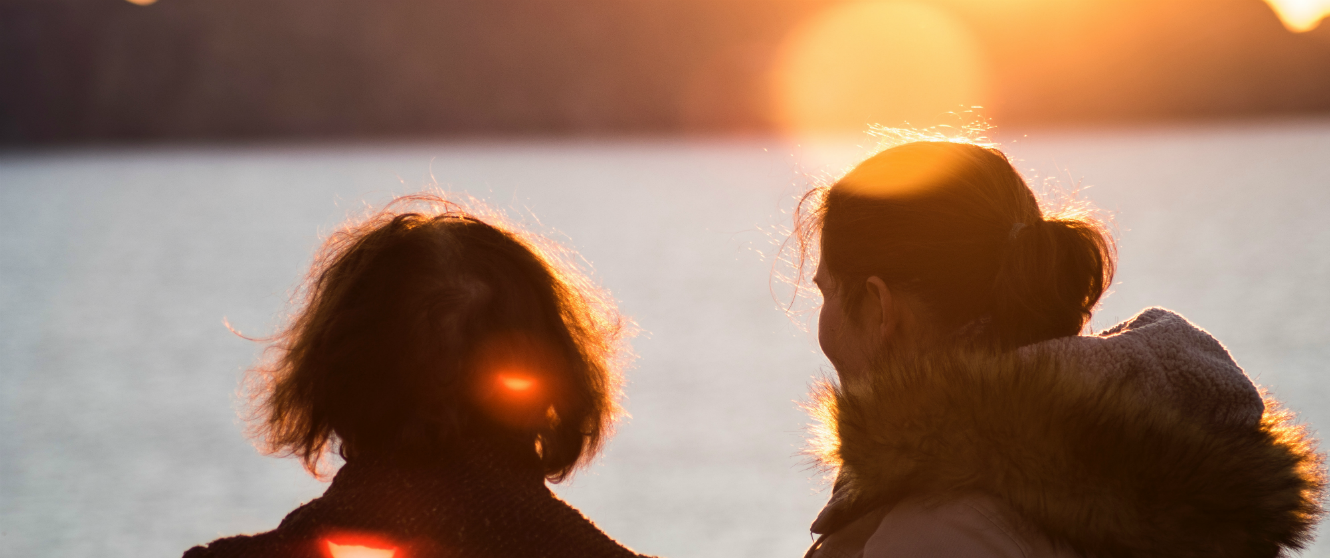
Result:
pixel 881 310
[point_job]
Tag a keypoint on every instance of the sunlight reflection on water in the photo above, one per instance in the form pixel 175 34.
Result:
pixel 118 434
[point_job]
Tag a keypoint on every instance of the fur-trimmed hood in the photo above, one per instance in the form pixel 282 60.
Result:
pixel 1144 440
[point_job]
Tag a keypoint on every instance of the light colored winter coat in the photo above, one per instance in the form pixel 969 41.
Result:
pixel 1144 440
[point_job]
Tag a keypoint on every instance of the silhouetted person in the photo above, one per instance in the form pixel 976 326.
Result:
pixel 456 368
pixel 971 418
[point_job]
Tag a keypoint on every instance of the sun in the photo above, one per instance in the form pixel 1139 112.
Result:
pixel 1300 15
pixel 886 62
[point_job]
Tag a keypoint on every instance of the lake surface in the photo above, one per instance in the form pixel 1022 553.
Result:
pixel 119 433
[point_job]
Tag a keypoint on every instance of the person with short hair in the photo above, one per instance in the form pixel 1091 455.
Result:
pixel 456 365
pixel 974 418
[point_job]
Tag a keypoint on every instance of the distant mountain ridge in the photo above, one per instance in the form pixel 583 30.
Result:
pixel 108 70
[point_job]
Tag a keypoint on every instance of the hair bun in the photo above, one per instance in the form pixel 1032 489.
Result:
pixel 1015 230
pixel 1050 282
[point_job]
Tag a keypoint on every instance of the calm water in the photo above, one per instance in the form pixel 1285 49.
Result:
pixel 118 428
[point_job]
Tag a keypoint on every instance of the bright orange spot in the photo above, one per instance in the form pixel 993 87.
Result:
pixel 897 174
pixel 141 2
pixel 516 383
pixel 357 551
pixel 877 62
pixel 1300 15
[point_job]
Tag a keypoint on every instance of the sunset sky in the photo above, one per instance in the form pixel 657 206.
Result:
pixel 911 63
pixel 1298 15
pixel 194 70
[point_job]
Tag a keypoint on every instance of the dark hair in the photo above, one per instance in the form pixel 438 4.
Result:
pixel 409 324
pixel 954 225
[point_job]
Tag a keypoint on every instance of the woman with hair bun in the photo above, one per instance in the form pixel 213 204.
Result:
pixel 974 418
pixel 456 367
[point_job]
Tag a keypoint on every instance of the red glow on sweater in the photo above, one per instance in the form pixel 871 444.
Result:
pixel 360 546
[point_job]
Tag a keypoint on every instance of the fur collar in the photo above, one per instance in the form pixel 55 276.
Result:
pixel 1113 445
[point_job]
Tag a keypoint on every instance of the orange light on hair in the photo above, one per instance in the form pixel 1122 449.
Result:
pixel 902 176
pixel 1300 15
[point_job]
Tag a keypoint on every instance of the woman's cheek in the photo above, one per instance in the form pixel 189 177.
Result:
pixel 828 324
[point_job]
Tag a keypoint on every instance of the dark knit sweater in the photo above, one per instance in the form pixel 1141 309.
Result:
pixel 478 506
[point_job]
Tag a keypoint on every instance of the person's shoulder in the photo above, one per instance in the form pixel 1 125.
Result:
pixel 255 546
pixel 970 525
pixel 289 539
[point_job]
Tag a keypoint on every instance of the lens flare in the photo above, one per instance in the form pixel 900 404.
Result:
pixel 1300 15
pixel 142 2
pixel 517 379
pixel 516 383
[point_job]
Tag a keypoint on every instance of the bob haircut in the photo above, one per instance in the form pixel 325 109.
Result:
pixel 420 334
pixel 954 225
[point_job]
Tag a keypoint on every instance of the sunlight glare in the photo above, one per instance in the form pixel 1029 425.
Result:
pixel 877 62
pixel 1300 15
pixel 357 551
